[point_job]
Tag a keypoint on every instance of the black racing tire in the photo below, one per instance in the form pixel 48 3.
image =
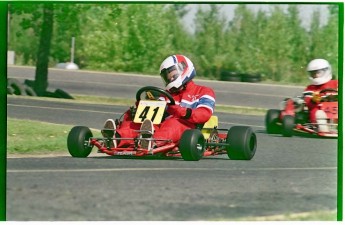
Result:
pixel 242 143
pixel 49 94
pixel 29 91
pixel 18 87
pixel 230 76
pixel 192 145
pixel 288 125
pixel 10 90
pixel 77 141
pixel 59 93
pixel 252 78
pixel 30 83
pixel 271 119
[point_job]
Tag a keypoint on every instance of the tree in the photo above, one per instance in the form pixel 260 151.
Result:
pixel 325 39
pixel 210 48
pixel 245 31
pixel 135 37
pixel 41 76
pixel 298 41
pixel 41 21
pixel 21 27
pixel 182 40
pixel 130 37
pixel 314 35
pixel 332 37
pixel 39 18
pixel 276 47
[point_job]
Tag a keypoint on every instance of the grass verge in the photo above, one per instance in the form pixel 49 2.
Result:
pixel 34 137
pixel 305 216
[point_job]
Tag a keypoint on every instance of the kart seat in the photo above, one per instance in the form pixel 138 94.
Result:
pixel 207 127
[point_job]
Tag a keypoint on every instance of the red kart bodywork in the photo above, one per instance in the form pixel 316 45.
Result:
pixel 238 142
pixel 294 118
pixel 331 109
pixel 169 149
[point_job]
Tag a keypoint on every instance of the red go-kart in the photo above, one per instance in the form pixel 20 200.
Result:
pixel 239 142
pixel 293 116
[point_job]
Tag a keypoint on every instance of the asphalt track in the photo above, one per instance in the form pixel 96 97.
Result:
pixel 286 176
pixel 125 86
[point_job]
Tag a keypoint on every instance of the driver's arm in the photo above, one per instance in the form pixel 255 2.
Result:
pixel 202 111
pixel 198 115
pixel 311 98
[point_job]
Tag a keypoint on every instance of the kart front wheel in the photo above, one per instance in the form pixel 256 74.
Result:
pixel 272 117
pixel 192 145
pixel 288 124
pixel 77 141
pixel 241 142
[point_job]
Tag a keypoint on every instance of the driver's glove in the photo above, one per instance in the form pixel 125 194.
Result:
pixel 316 97
pixel 179 112
pixel 132 111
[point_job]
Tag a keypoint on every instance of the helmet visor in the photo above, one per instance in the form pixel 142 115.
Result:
pixel 317 73
pixel 170 74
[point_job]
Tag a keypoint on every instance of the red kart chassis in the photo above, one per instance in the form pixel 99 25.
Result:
pixel 239 142
pixel 169 149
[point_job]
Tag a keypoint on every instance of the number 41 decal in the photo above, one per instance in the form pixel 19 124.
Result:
pixel 153 110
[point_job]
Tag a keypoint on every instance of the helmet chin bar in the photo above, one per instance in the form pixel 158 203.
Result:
pixel 324 78
pixel 174 85
pixel 322 69
pixel 175 90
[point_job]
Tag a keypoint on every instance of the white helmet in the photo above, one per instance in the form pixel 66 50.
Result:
pixel 176 71
pixel 320 71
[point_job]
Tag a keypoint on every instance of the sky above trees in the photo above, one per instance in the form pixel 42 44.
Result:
pixel 228 11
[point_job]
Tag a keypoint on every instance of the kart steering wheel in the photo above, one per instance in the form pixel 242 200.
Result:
pixel 155 89
pixel 328 90
pixel 328 96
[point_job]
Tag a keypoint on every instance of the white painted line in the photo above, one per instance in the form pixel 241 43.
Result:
pixel 251 93
pixel 241 124
pixel 78 110
pixel 101 83
pixel 167 169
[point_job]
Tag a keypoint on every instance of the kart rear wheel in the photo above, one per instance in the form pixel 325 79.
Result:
pixel 77 141
pixel 288 124
pixel 192 145
pixel 272 117
pixel 29 91
pixel 16 85
pixel 242 143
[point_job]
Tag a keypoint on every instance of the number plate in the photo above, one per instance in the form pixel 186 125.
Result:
pixel 331 108
pixel 153 110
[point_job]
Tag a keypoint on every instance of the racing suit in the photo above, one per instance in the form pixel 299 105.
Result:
pixel 313 106
pixel 195 105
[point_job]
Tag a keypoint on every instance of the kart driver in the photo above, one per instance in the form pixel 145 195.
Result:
pixel 194 104
pixel 320 74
